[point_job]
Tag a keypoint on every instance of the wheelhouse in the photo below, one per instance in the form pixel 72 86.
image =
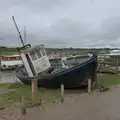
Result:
pixel 35 60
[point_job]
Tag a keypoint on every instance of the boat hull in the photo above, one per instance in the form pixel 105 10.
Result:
pixel 73 77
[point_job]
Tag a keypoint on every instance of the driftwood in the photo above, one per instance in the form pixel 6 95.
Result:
pixel 103 89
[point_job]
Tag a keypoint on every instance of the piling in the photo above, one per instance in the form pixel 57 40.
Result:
pixel 34 91
pixel 89 86
pixel 23 107
pixel 62 93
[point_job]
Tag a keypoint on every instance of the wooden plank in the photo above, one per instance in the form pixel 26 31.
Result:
pixel 108 63
pixel 107 70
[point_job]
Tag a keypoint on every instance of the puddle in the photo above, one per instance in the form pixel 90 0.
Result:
pixel 4 92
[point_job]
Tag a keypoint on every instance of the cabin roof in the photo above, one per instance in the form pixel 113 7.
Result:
pixel 32 49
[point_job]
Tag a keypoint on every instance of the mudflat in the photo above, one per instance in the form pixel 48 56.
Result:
pixel 97 106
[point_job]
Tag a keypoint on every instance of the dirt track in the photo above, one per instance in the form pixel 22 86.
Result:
pixel 98 106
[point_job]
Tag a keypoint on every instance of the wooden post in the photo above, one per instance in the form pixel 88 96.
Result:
pixel 23 107
pixel 116 64
pixel 100 62
pixel 62 93
pixel 34 91
pixel 95 84
pixel 89 86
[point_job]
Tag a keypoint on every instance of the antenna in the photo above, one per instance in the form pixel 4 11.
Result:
pixel 25 34
pixel 18 30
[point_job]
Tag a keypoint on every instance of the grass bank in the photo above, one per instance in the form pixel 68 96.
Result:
pixel 109 79
pixel 18 90
pixel 48 95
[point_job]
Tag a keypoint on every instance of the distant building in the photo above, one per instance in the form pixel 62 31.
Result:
pixel 10 60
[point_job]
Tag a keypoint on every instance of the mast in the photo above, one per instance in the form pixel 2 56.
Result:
pixel 18 31
pixel 25 34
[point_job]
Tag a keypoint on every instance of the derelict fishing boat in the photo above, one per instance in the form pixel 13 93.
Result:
pixel 36 65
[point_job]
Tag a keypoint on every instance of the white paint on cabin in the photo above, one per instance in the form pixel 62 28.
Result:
pixel 37 59
pixel 25 62
pixel 41 64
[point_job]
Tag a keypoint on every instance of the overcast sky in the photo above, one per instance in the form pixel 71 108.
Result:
pixel 62 23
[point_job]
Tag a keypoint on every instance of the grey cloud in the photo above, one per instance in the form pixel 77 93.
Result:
pixel 67 32
pixel 111 28
pixel 34 5
pixel 61 23
pixel 107 34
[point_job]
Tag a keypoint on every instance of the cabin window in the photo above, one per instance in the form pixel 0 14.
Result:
pixel 33 56
pixel 43 52
pixel 38 53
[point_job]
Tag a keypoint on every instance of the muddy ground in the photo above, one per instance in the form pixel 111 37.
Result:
pixel 97 106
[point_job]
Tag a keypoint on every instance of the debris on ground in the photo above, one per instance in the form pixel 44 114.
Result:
pixel 103 88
